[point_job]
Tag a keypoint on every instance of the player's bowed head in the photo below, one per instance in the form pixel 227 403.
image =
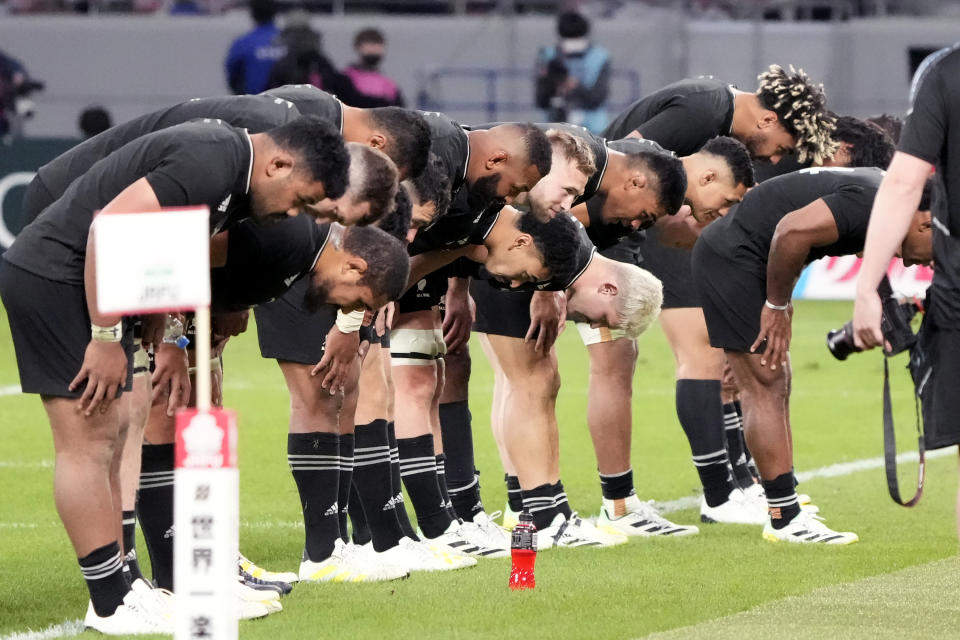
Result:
pixel 359 268
pixel 370 193
pixel 615 295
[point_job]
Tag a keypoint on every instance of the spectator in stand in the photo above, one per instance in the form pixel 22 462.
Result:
pixel 573 78
pixel 94 120
pixel 369 44
pixel 306 63
pixel 252 55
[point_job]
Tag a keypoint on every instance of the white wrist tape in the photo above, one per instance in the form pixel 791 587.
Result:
pixel 107 334
pixel 776 307
pixel 349 322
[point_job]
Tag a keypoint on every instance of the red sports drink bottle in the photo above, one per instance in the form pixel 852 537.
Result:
pixel 523 549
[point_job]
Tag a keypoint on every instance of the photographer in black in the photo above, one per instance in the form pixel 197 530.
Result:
pixel 745 266
pixel 930 141
pixel 573 78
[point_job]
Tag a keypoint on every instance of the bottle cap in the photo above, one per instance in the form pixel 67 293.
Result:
pixel 182 342
pixel 525 516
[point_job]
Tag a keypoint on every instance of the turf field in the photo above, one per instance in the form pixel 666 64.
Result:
pixel 900 581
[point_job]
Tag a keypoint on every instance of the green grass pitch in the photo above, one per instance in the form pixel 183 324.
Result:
pixel 899 581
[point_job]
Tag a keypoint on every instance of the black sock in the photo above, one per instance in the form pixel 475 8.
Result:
pixel 466 499
pixel 399 504
pixel 103 570
pixel 314 460
pixel 371 480
pixel 418 468
pixel 359 525
pixel 781 499
pixel 461 472
pixel 155 509
pixel 539 502
pixel 131 568
pixel 344 483
pixel 441 462
pixel 733 427
pixel 514 495
pixel 700 410
pixel 560 499
pixel 617 486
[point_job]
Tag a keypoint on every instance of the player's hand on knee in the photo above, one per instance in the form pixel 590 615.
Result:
pixel 339 353
pixel 461 311
pixel 171 376
pixel 230 323
pixel 548 315
pixel 775 329
pixel 105 370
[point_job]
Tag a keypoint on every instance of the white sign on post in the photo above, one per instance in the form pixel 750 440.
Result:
pixel 152 261
pixel 160 261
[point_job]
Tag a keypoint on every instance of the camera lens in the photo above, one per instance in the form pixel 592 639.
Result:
pixel 840 342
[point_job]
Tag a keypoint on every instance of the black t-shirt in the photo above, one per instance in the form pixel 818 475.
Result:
pixel 309 100
pixel 254 113
pixel 932 133
pixel 681 117
pixel 264 260
pixel 746 232
pixel 460 225
pixel 202 163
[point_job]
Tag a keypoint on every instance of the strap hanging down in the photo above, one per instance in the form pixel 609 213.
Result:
pixel 890 446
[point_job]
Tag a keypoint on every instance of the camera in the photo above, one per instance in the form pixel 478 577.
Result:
pixel 894 323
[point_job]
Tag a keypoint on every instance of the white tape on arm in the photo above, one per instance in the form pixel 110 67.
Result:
pixel 349 322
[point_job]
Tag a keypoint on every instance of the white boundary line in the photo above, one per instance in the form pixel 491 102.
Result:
pixel 66 629
pixel 12 390
pixel 830 471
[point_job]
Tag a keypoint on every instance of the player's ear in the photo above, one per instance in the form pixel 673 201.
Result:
pixel 355 267
pixel 708 176
pixel 608 289
pixel 377 141
pixel 497 158
pixel 280 164
pixel 638 180
pixel 767 119
pixel 522 240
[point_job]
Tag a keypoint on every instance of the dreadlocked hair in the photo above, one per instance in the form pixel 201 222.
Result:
pixel 801 107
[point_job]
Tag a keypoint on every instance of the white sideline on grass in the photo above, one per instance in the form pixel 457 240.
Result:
pixel 63 630
pixel 12 390
pixel 830 471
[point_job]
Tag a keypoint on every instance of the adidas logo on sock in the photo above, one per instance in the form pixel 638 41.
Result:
pixel 477 507
pixel 392 503
pixel 332 511
pixel 131 555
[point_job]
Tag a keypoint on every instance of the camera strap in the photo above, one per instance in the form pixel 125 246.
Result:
pixel 890 445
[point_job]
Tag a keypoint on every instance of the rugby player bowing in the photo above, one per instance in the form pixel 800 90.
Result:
pixel 745 266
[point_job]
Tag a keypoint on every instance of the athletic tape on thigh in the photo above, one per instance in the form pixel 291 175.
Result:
pixel 596 335
pixel 416 347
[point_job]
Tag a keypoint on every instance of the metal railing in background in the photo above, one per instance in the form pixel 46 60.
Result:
pixel 494 87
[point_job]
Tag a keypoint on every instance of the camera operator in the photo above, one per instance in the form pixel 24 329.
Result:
pixel 573 78
pixel 15 87
pixel 930 139
pixel 745 265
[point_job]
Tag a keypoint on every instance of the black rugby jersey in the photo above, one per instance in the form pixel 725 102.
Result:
pixel 681 117
pixel 932 133
pixel 310 100
pixel 264 259
pixel 254 113
pixel 746 232
pixel 202 163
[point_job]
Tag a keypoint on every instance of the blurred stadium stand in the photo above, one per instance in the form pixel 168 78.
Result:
pixel 790 10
